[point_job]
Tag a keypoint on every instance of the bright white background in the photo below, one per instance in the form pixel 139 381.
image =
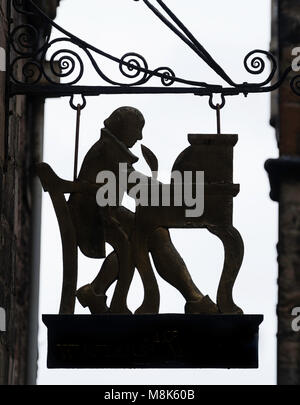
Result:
pixel 228 29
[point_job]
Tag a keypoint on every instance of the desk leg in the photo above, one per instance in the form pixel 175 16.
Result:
pixel 234 253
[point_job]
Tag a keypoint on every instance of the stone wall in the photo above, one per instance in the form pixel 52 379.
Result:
pixel 21 127
pixel 15 211
pixel 3 346
pixel 285 181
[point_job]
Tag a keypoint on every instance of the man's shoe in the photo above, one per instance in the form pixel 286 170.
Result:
pixel 203 306
pixel 88 298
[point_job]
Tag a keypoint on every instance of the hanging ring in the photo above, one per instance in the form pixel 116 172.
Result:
pixel 80 106
pixel 217 106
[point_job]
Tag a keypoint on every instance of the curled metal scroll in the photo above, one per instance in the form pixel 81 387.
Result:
pixel 295 84
pixel 68 63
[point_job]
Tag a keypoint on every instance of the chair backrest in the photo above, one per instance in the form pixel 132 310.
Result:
pixel 57 188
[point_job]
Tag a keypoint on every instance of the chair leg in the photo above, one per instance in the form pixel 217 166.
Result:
pixel 69 250
pixel 70 254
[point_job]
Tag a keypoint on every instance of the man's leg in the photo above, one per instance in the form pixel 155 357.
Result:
pixel 107 275
pixel 172 268
pixel 93 295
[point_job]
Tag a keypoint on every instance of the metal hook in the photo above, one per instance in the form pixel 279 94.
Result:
pixel 81 106
pixel 77 108
pixel 217 107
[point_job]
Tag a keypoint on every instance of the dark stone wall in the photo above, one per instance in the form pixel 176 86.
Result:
pixel 289 202
pixel 286 180
pixel 3 220
pixel 289 282
pixel 15 211
pixel 21 126
pixel 289 104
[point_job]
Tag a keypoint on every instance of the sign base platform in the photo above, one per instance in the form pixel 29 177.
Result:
pixel 152 341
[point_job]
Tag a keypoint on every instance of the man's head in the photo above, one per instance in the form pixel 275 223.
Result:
pixel 126 123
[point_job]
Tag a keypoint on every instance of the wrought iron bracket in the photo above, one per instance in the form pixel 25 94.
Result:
pixel 54 69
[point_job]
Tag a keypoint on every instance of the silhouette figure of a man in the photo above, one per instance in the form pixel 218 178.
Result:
pixel 122 130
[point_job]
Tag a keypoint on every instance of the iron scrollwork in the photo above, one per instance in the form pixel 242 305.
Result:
pixel 68 64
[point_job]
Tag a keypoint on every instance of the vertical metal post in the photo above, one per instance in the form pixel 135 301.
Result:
pixel 218 119
pixel 78 109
